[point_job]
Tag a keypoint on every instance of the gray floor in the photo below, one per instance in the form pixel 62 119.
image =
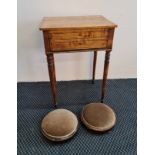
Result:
pixel 34 102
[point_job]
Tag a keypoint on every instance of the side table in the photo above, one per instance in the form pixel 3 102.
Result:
pixel 77 33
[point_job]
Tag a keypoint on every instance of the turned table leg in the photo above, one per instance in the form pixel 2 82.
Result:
pixel 94 66
pixel 51 70
pixel 105 73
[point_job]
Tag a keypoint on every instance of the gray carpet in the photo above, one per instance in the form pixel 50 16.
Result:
pixel 35 101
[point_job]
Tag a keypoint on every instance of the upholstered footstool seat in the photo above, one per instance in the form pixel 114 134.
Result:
pixel 59 125
pixel 98 117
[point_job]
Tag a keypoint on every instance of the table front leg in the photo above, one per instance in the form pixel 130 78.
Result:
pixel 94 66
pixel 51 70
pixel 105 73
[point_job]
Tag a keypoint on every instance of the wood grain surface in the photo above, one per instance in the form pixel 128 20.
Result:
pixel 53 23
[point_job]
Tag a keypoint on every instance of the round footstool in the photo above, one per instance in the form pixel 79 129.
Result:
pixel 59 125
pixel 98 117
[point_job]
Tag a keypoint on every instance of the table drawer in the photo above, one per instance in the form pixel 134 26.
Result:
pixel 78 39
pixel 77 34
pixel 78 44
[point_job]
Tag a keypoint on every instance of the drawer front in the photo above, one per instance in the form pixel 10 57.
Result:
pixel 78 40
pixel 78 44
pixel 79 34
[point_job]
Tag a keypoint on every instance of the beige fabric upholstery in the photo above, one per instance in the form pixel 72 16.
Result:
pixel 59 125
pixel 98 117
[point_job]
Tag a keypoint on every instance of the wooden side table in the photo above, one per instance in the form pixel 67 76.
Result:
pixel 78 33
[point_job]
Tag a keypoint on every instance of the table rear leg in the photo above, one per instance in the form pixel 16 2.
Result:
pixel 94 66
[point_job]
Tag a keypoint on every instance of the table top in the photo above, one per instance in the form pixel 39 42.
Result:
pixel 50 23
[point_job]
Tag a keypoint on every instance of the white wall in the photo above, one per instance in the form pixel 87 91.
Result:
pixel 32 64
